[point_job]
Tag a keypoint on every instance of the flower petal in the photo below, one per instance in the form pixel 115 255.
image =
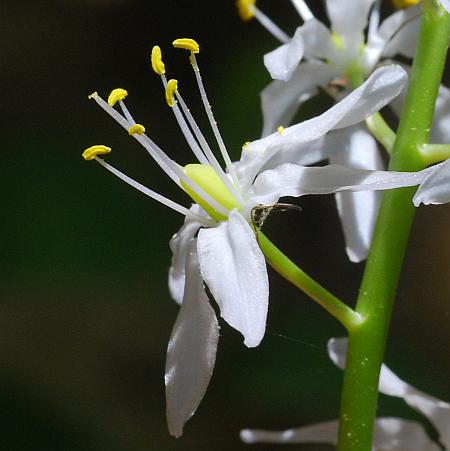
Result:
pixel 280 101
pixel 349 18
pixel 294 180
pixel 325 432
pixel 381 87
pixel 179 246
pixel 282 61
pixel 191 352
pixel 435 189
pixel 446 5
pixel 234 269
pixel 405 41
pixel 358 211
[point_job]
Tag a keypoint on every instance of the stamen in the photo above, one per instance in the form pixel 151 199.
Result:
pixel 136 129
pixel 270 26
pixel 93 151
pixel 210 114
pixel 171 89
pixel 186 44
pixel 246 9
pixel 170 167
pixel 116 95
pixel 157 62
pixel 207 150
pixel 155 196
pixel 303 9
pixel 280 130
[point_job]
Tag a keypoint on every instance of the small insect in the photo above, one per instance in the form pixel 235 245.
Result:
pixel 260 213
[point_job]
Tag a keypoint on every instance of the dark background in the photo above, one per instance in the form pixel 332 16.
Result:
pixel 85 313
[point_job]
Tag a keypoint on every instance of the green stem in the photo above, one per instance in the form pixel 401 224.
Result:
pixel 434 153
pixel 379 285
pixel 381 131
pixel 290 271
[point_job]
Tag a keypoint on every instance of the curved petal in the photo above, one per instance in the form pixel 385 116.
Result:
pixel 380 88
pixel 234 269
pixel 318 40
pixel 435 189
pixel 191 352
pixel 294 180
pixel 358 211
pixel 282 61
pixel 179 247
pixel 280 101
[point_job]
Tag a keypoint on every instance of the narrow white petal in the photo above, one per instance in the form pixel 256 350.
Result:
pixel 234 269
pixel 318 40
pixel 325 432
pixel 179 245
pixel 405 41
pixel 435 189
pixel 282 61
pixel 349 18
pixel 446 5
pixel 381 87
pixel 294 180
pixel 358 211
pixel 191 352
pixel 280 101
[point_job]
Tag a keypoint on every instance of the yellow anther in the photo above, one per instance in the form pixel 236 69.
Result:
pixel 245 145
pixel 405 3
pixel 172 87
pixel 136 129
pixel 116 95
pixel 280 130
pixel 337 40
pixel 245 9
pixel 92 152
pixel 94 95
pixel 157 62
pixel 187 44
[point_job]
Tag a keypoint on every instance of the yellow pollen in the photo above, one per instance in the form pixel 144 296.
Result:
pixel 245 9
pixel 187 44
pixel 157 62
pixel 116 95
pixel 245 145
pixel 280 130
pixel 136 129
pixel 405 3
pixel 93 151
pixel 171 89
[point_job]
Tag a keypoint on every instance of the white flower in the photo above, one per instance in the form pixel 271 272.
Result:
pixel 445 4
pixel 393 434
pixel 217 244
pixel 314 57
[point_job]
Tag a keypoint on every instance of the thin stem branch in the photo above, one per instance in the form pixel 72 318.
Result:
pixel 290 271
pixel 381 131
pixel 434 153
pixel 379 285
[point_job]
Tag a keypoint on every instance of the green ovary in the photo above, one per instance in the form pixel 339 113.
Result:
pixel 208 180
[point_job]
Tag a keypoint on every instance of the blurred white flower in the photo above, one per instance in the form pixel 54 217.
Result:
pixel 393 434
